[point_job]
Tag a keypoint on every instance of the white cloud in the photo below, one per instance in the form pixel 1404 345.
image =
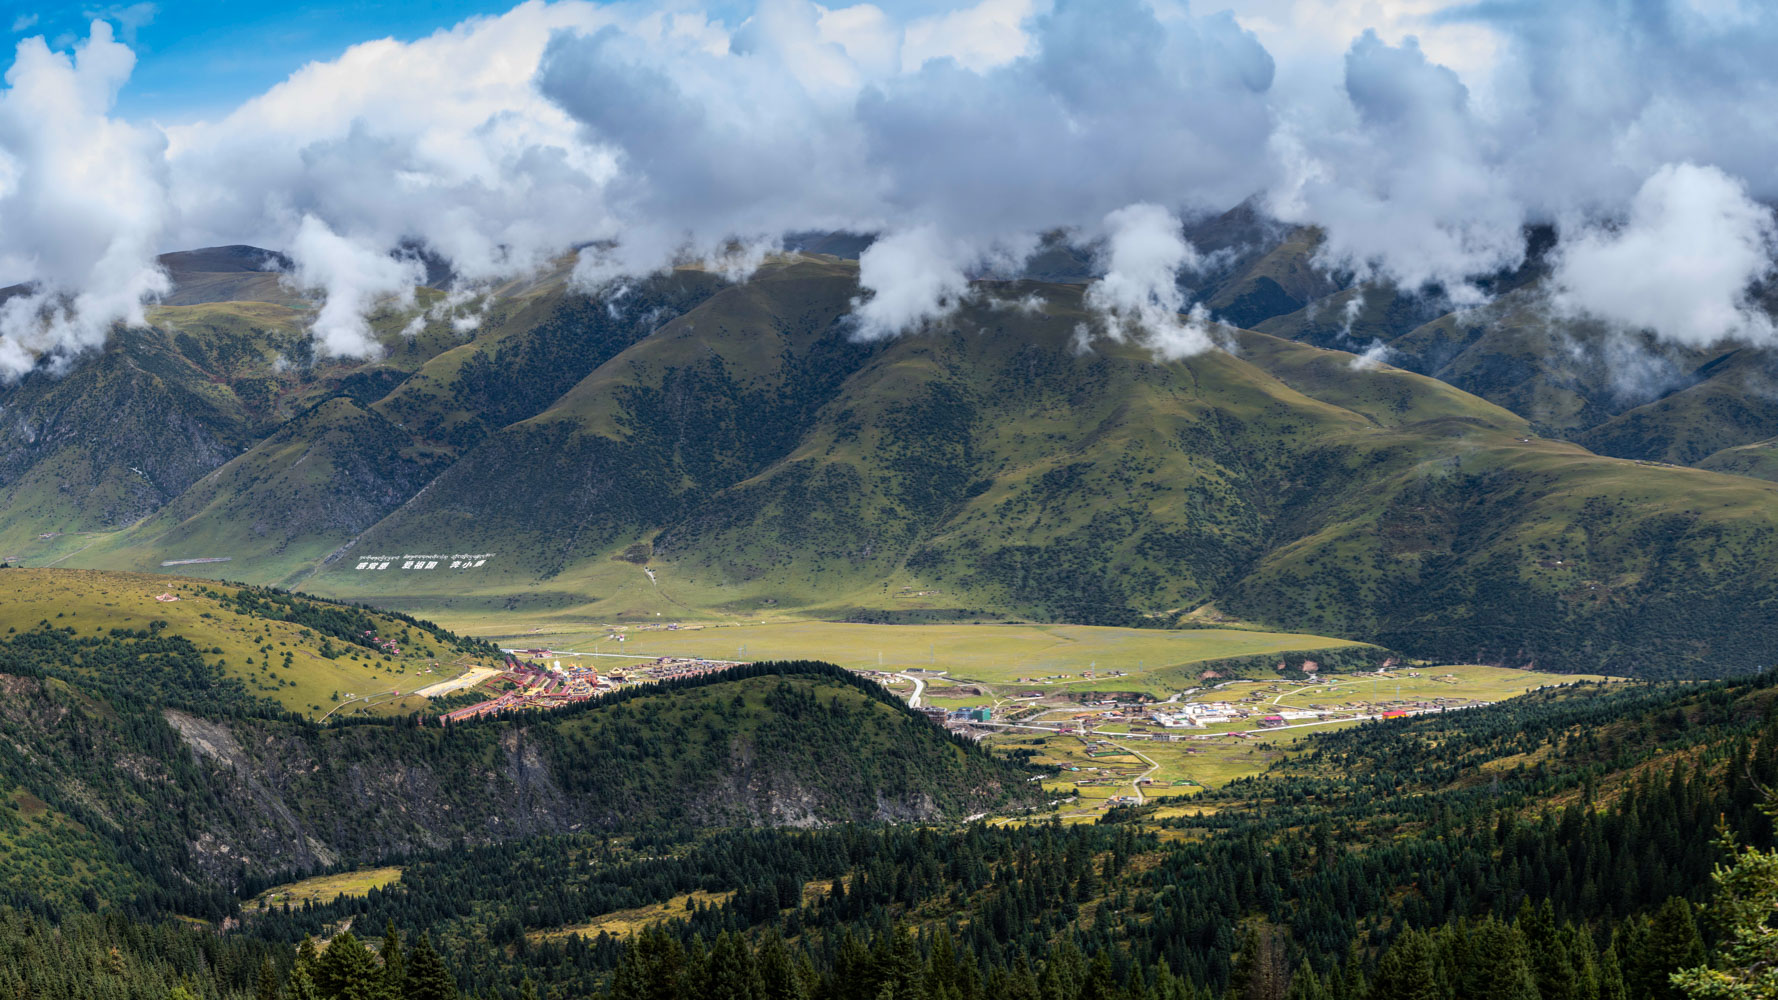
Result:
pixel 83 202
pixel 1420 148
pixel 443 142
pixel 979 38
pixel 1372 357
pixel 1679 265
pixel 1408 190
pixel 916 276
pixel 356 277
pixel 1139 296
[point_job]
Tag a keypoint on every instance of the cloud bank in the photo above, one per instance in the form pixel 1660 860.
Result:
pixel 1420 143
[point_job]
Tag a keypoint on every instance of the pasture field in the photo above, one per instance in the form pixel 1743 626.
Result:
pixel 1109 761
pixel 325 888
pixel 1466 682
pixel 278 659
pixel 1176 768
pixel 623 923
pixel 1153 661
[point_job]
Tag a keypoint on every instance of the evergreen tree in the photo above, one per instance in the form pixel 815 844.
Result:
pixel 1405 972
pixel 1667 942
pixel 1495 964
pixel 348 971
pixel 267 987
pixel 394 967
pixel 1306 985
pixel 427 977
pixel 1744 963
pixel 731 974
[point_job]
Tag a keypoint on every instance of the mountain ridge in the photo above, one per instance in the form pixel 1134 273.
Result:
pixel 761 460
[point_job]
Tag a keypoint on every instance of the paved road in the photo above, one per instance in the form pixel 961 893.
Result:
pixel 919 686
pixel 1136 782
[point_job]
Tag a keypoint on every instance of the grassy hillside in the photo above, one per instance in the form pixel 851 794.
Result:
pixel 1758 460
pixel 754 462
pixel 693 449
pixel 225 647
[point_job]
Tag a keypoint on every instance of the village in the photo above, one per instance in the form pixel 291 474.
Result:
pixel 1057 703
pixel 540 679
pixel 1104 747
pixel 1234 707
pixel 1106 735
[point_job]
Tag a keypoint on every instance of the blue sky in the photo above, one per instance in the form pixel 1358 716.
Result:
pixel 198 58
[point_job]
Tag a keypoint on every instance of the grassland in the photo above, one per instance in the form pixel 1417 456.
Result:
pixel 1099 760
pixel 277 659
pixel 1175 769
pixel 325 888
pixel 1153 661
pixel 623 923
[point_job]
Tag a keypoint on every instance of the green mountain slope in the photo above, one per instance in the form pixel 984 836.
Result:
pixel 756 459
pixel 1623 395
pixel 686 447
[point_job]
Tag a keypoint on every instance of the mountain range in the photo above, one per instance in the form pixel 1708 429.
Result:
pixel 1497 484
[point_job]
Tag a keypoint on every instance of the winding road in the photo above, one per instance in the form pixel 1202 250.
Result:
pixel 919 687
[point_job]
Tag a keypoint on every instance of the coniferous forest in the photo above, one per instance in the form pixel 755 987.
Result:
pixel 1564 845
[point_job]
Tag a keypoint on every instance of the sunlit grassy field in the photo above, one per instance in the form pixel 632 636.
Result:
pixel 1186 766
pixel 325 888
pixel 252 649
pixel 1467 682
pixel 1151 660
pixel 623 923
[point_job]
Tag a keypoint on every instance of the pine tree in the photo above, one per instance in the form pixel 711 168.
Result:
pixel 267 989
pixel 1669 942
pixel 731 973
pixel 302 972
pixel 1744 964
pixel 778 975
pixel 1611 977
pixel 1306 985
pixel 348 971
pixel 394 967
pixel 427 977
pixel 1495 963
pixel 1405 972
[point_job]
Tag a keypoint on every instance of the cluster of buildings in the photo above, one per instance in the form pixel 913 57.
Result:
pixel 944 716
pixel 535 678
pixel 386 645
pixel 534 684
pixel 670 668
pixel 1197 715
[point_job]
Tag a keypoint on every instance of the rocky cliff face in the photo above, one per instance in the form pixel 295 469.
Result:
pixel 183 798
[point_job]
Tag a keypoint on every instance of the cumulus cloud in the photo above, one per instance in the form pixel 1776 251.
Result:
pixel 965 158
pixel 1139 296
pixel 83 202
pixel 916 277
pixel 1410 190
pixel 1679 265
pixel 654 135
pixel 355 278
